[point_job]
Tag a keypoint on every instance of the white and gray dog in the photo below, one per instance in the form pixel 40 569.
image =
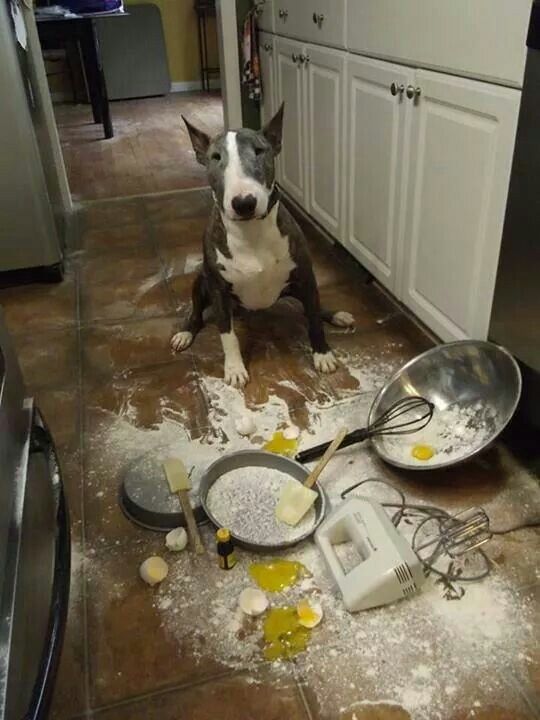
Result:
pixel 254 251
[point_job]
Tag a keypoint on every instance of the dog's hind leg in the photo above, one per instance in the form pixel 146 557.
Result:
pixel 338 319
pixel 194 323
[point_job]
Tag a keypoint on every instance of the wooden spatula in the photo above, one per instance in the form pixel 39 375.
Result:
pixel 296 499
pixel 179 482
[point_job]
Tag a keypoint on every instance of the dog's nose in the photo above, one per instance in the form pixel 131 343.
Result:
pixel 244 205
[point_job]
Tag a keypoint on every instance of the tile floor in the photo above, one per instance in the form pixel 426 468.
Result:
pixel 94 352
pixel 150 150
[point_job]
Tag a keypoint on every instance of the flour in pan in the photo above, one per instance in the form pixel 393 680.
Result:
pixel 244 500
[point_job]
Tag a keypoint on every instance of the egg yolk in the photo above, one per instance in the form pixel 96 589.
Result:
pixel 280 445
pixel 423 452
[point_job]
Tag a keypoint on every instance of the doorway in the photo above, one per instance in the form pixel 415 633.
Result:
pixel 150 151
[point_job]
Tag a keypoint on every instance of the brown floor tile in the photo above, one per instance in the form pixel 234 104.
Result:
pixel 180 233
pixel 125 419
pixel 370 358
pixel 106 215
pixel 69 697
pixel 49 359
pixel 180 285
pixel 131 652
pixel 105 240
pixel 119 266
pixel 39 307
pixel 235 698
pixel 189 204
pixel 131 299
pixel 113 349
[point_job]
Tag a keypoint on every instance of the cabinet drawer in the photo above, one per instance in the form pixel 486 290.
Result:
pixel 265 17
pixel 477 38
pixel 317 21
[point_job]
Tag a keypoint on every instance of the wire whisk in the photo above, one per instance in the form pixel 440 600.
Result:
pixel 405 416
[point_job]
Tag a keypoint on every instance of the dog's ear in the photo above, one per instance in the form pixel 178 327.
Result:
pixel 200 141
pixel 273 130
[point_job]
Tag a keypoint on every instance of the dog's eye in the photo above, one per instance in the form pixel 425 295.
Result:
pixel 215 156
pixel 259 151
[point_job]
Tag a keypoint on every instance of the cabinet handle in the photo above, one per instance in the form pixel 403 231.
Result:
pixel 267 47
pixel 283 14
pixel 318 19
pixel 396 89
pixel 302 58
pixel 413 93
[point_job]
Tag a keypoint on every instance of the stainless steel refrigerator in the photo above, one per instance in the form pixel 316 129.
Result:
pixel 34 195
pixel 515 320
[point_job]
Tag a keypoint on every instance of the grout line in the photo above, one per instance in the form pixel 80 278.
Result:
pixel 79 203
pixel 166 691
pixel 86 652
pixel 303 698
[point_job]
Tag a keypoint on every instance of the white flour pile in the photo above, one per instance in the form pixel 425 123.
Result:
pixel 244 500
pixel 453 433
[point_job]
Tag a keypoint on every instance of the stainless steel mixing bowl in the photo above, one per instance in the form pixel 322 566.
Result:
pixel 259 458
pixel 480 378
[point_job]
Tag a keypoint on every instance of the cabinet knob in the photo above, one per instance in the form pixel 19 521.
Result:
pixel 283 14
pixel 295 58
pixel 413 93
pixel 267 47
pixel 318 19
pixel 396 89
pixel 307 59
pixel 302 58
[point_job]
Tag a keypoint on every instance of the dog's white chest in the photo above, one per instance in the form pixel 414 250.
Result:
pixel 260 265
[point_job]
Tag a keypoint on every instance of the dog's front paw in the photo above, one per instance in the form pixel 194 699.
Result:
pixel 342 319
pixel 325 362
pixel 181 341
pixel 236 374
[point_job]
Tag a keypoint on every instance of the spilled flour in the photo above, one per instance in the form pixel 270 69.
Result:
pixel 434 656
pixel 244 500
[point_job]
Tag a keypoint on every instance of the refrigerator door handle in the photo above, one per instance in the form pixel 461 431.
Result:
pixel 42 442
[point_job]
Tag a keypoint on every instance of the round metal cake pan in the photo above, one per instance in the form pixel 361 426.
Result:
pixel 259 458
pixel 145 497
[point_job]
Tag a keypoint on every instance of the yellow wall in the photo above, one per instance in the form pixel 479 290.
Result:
pixel 181 38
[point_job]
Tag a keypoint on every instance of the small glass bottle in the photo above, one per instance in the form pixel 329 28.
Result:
pixel 225 549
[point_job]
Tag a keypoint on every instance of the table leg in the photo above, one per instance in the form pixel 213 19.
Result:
pixel 96 80
pixel 201 54
pixel 91 71
pixel 106 108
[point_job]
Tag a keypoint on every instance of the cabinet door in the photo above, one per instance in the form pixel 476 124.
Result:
pixel 267 50
pixel 375 161
pixel 461 152
pixel 325 77
pixel 291 90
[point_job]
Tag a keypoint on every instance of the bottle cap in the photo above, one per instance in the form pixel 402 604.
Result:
pixel 223 535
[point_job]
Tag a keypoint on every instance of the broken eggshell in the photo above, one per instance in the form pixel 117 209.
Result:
pixel 252 602
pixel 176 540
pixel 245 425
pixel 310 614
pixel 291 432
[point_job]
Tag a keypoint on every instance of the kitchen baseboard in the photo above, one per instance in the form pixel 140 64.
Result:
pixel 190 85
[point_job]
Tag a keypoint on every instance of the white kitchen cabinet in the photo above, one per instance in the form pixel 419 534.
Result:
pixel 375 164
pixel 460 157
pixel 485 39
pixel 317 21
pixel 268 80
pixel 292 167
pixel 325 77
